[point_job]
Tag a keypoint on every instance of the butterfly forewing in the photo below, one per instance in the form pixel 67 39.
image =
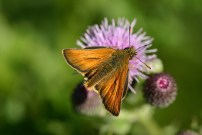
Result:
pixel 86 61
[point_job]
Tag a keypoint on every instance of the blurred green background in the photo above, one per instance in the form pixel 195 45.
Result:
pixel 36 84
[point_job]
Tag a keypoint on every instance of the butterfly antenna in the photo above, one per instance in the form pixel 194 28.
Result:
pixel 141 47
pixel 138 49
pixel 143 62
pixel 129 34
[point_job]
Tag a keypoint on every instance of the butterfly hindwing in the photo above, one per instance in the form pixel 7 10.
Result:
pixel 112 88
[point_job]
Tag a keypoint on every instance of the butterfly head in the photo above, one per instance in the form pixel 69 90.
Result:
pixel 131 52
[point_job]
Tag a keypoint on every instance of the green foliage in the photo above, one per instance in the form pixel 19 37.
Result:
pixel 36 84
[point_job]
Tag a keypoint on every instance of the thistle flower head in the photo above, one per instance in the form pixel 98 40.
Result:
pixel 160 90
pixel 116 35
pixel 85 101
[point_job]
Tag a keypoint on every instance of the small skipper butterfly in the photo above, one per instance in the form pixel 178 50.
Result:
pixel 105 71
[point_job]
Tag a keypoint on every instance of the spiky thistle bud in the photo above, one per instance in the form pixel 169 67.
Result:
pixel 160 90
pixel 86 102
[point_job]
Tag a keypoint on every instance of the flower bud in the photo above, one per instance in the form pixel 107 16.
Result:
pixel 85 101
pixel 160 90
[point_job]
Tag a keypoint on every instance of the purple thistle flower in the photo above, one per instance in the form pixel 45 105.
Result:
pixel 116 35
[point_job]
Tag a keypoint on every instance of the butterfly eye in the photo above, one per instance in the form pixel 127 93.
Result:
pixel 131 56
pixel 126 48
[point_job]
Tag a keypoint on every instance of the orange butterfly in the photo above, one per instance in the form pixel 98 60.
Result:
pixel 105 71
